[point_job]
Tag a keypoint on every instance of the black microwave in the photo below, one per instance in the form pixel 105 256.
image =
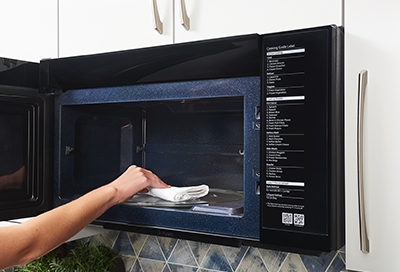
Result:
pixel 258 118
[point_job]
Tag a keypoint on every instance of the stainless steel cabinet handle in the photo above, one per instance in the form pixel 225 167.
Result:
pixel 158 25
pixel 185 20
pixel 362 84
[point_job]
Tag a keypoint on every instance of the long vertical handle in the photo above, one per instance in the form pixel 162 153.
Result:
pixel 158 25
pixel 185 20
pixel 362 84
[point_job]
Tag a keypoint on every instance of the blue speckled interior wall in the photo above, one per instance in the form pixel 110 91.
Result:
pixel 152 253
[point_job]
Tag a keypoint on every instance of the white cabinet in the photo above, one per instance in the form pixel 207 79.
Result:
pixel 211 19
pixel 28 29
pixel 32 31
pixel 93 26
pixel 372 43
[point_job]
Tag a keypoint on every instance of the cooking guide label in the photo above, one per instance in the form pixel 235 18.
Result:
pixel 284 131
pixel 294 140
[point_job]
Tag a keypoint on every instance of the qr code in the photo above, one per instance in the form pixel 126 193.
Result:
pixel 299 219
pixel 287 218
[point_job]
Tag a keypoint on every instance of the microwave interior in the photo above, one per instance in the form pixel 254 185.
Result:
pixel 186 142
pixel 189 134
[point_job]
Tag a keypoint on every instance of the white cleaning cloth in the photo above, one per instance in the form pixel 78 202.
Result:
pixel 176 194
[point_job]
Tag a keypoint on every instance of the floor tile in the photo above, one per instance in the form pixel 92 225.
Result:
pixel 167 245
pixel 252 262
pixel 136 267
pixel 182 268
pixel 137 241
pixel 123 245
pixel 167 269
pixel 199 250
pixel 215 259
pixel 129 262
pixel 318 264
pixel 293 263
pixel 272 259
pixel 234 255
pixel 151 265
pixel 108 238
pixel 182 254
pixel 337 264
pixel 342 255
pixel 152 250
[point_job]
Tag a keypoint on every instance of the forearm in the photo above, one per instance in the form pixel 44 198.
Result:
pixel 60 224
pixel 32 239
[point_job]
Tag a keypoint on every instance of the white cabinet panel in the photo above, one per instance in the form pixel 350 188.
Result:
pixel 100 26
pixel 211 19
pixel 94 26
pixel 372 43
pixel 28 29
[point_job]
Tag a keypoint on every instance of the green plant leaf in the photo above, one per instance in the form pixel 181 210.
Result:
pixel 83 257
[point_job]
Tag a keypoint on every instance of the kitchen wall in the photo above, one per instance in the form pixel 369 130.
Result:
pixel 151 253
pixel 146 253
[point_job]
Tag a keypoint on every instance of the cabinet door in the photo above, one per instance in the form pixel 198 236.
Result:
pixel 28 29
pixel 211 19
pixel 373 44
pixel 94 26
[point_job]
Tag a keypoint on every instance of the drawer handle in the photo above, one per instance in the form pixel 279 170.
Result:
pixel 158 25
pixel 362 84
pixel 185 20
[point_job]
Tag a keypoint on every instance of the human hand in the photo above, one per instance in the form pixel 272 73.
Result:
pixel 134 180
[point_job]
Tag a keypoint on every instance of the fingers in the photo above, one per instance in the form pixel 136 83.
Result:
pixel 144 191
pixel 152 179
pixel 156 181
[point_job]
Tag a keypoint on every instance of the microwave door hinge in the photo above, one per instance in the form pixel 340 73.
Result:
pixel 47 81
pixel 51 91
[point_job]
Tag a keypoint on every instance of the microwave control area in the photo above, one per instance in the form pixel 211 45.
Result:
pixel 302 161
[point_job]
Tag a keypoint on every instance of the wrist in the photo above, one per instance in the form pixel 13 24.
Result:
pixel 111 194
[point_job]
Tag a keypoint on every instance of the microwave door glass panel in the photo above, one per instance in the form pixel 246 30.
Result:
pixel 25 146
pixel 12 152
pixel 15 142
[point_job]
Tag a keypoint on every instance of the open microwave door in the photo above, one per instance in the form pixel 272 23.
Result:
pixel 25 141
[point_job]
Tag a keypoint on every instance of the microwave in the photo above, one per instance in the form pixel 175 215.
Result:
pixel 257 118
